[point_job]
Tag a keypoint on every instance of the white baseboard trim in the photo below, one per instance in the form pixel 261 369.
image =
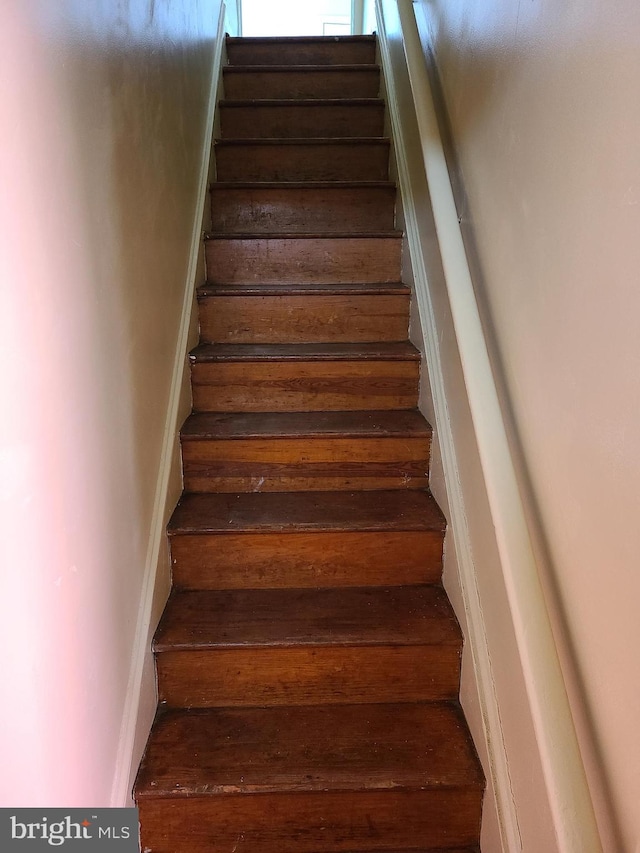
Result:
pixel 126 761
pixel 477 645
pixel 567 790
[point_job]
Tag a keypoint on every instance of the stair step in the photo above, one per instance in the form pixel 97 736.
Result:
pixel 313 778
pixel 299 451
pixel 306 647
pixel 307 512
pixel 308 258
pixel 267 314
pixel 304 377
pixel 312 823
pixel 287 618
pixel 303 50
pixel 302 159
pixel 302 81
pixel 261 208
pixel 341 288
pixel 306 539
pixel 301 119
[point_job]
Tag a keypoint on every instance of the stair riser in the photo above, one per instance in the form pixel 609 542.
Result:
pixel 305 560
pixel 307 676
pixel 255 210
pixel 300 260
pixel 307 823
pixel 306 162
pixel 301 122
pixel 277 53
pixel 303 319
pixel 311 464
pixel 304 386
pixel 293 83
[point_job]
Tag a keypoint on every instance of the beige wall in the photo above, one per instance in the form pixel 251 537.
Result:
pixel 544 102
pixel 103 109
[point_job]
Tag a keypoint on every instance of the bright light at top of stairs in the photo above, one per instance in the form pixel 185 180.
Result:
pixel 293 18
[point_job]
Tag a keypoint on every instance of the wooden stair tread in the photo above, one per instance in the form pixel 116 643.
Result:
pixel 286 425
pixel 304 140
pixel 301 102
pixel 302 289
pixel 288 40
pixel 288 69
pixel 209 752
pixel 312 235
pixel 308 658
pixel 391 616
pixel 304 352
pixel 299 185
pixel 296 512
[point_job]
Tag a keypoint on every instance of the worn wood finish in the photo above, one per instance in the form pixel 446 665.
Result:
pixel 298 160
pixel 372 821
pixel 304 50
pixel 347 748
pixel 302 425
pixel 324 559
pixel 321 318
pixel 304 377
pixel 290 119
pixel 226 353
pixel 265 474
pixel 308 660
pixel 311 512
pixel 305 81
pixel 304 387
pixel 289 780
pixel 324 207
pixel 307 676
pixel 291 452
pixel 372 288
pixel 297 258
pixel 286 618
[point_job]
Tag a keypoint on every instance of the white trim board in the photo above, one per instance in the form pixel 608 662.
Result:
pixel 126 762
pixel 499 767
pixel 568 795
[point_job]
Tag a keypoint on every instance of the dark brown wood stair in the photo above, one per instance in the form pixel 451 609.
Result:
pixel 306 539
pixel 308 659
pixel 304 377
pixel 322 206
pixel 306 81
pixel 297 160
pixel 325 451
pixel 292 313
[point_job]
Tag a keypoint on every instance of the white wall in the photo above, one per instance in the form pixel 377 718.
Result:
pixel 103 109
pixel 544 103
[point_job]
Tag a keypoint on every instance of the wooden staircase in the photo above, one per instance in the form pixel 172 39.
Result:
pixel 308 660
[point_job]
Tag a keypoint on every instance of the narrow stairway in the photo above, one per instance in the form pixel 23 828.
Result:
pixel 308 659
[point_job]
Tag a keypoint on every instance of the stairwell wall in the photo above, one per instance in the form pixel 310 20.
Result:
pixel 105 109
pixel 542 98
pixel 516 812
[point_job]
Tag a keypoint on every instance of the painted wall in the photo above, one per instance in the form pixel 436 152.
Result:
pixel 103 109
pixel 544 102
pixel 492 690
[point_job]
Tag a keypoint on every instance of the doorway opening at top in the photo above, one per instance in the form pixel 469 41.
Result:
pixel 305 17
